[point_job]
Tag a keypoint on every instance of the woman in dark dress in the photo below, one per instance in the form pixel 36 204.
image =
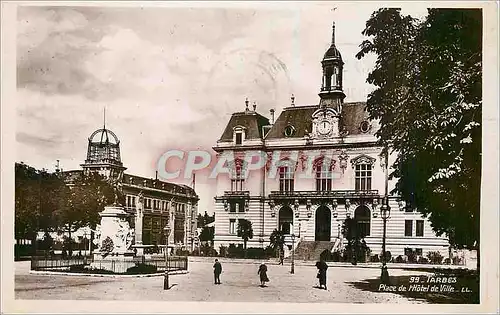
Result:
pixel 322 267
pixel 263 274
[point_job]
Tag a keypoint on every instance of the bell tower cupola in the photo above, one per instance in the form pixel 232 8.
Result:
pixel 331 94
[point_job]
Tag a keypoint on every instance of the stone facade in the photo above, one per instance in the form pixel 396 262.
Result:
pixel 323 164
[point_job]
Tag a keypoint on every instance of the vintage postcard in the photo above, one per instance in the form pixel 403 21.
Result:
pixel 249 157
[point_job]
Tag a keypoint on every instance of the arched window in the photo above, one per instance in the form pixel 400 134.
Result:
pixel 285 220
pixel 362 218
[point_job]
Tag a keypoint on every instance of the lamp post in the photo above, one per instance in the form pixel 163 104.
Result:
pixel 292 268
pixel 385 212
pixel 165 279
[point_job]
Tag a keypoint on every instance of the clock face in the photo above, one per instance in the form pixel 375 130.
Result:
pixel 324 127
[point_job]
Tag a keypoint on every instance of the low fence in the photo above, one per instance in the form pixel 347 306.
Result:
pixel 55 263
pixel 58 263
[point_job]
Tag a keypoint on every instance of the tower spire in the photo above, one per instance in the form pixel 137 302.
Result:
pixel 333 33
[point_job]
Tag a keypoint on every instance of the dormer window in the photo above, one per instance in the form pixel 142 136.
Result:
pixel 238 135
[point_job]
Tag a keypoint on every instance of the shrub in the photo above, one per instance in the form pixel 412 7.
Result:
pixel 457 260
pixel 423 260
pixel 388 256
pixel 222 251
pixel 326 255
pixel 374 258
pixel 446 261
pixel 181 252
pixel 234 251
pixel 336 256
pixel 399 259
pixel 435 257
pixel 412 257
pixel 141 269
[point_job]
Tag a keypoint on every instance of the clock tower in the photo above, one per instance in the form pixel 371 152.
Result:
pixel 331 93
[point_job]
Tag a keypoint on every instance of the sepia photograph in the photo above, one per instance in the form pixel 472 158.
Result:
pixel 235 153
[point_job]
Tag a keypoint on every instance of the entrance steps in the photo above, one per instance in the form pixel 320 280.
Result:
pixel 311 250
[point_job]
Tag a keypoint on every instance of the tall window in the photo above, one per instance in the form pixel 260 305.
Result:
pixel 363 177
pixel 419 228
pixel 362 217
pixel 237 206
pixel 323 178
pixel 238 179
pixel 408 228
pixel 232 226
pixel 286 178
pixel 335 77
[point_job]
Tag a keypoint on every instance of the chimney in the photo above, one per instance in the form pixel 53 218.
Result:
pixel 293 100
pixel 246 105
pixel 272 116
pixel 254 106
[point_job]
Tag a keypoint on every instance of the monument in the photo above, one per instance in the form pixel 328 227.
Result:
pixel 116 237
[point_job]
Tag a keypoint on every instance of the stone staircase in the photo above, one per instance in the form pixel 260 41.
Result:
pixel 311 250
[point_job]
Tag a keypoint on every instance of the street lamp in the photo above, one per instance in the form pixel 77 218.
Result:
pixel 385 212
pixel 165 279
pixel 292 268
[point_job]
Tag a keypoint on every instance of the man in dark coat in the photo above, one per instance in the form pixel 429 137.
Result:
pixel 322 267
pixel 217 271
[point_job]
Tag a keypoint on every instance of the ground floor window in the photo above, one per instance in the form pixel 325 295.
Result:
pixel 232 226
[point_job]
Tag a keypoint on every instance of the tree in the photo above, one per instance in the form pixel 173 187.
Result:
pixel 277 240
pixel 37 194
pixel 87 195
pixel 205 219
pixel 245 231
pixel 207 234
pixel 356 247
pixel 428 100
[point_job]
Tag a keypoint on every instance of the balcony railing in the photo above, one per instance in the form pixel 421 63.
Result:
pixel 242 193
pixel 324 194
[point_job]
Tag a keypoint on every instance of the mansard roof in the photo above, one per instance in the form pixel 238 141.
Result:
pixel 252 121
pixel 300 117
pixel 297 116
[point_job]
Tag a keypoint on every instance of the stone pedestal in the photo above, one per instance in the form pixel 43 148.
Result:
pixel 115 241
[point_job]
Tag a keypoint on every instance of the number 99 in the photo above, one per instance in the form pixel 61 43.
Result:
pixel 414 279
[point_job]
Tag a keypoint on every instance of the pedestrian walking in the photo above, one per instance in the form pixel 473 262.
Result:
pixel 217 271
pixel 322 267
pixel 282 256
pixel 263 274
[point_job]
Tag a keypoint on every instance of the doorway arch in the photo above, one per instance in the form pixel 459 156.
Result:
pixel 285 220
pixel 323 224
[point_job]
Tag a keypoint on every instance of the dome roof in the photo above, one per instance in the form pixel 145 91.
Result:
pixel 332 53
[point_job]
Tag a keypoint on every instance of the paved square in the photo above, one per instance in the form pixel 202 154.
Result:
pixel 240 283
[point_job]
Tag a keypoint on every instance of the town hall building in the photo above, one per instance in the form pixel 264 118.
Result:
pixel 334 142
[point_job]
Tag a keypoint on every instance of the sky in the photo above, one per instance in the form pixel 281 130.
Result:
pixel 170 77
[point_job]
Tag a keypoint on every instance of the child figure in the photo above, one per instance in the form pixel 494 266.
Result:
pixel 263 275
